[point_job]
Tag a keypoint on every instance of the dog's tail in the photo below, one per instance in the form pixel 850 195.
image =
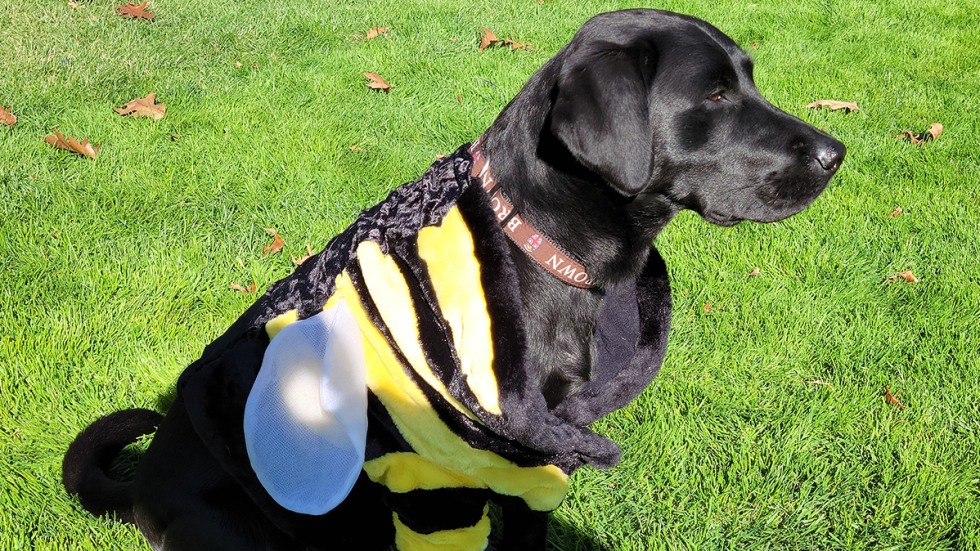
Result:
pixel 85 469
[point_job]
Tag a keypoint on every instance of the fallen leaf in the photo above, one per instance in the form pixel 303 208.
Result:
pixel 276 245
pixel 834 105
pixel 459 99
pixel 299 261
pixel 453 39
pixel 822 383
pixel 488 39
pixel 143 107
pixel 131 10
pixel 375 32
pixel 707 306
pixel 935 129
pixel 895 213
pixel 377 83
pixel 240 289
pixel 75 5
pixel 755 272
pixel 893 398
pixel 6 117
pixel 356 148
pixel 71 144
pixel 238 64
pixel 906 276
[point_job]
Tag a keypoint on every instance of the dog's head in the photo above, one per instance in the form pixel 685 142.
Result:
pixel 664 104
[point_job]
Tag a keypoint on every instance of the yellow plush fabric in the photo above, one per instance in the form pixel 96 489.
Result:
pixel 470 537
pixel 454 270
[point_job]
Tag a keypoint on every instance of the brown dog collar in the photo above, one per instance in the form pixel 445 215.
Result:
pixel 527 238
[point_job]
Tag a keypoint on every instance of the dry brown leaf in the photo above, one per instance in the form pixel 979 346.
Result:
pixel 131 10
pixel 834 105
pixel 377 83
pixel 375 32
pixel 75 5
pixel 755 272
pixel 895 213
pixel 907 276
pixel 144 107
pixel 243 290
pixel 6 117
pixel 71 144
pixel 487 39
pixel 893 398
pixel 276 245
pixel 935 129
pixel 299 261
pixel 707 306
pixel 356 148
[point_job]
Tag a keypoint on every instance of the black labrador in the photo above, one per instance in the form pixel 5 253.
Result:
pixel 643 114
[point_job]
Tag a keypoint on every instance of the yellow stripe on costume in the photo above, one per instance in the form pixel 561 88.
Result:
pixel 443 458
pixel 390 294
pixel 278 323
pixel 542 488
pixel 461 539
pixel 454 271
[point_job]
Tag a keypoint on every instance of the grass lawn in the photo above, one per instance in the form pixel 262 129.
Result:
pixel 768 426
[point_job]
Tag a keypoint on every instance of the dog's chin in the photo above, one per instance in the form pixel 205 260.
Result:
pixel 720 219
pixel 762 217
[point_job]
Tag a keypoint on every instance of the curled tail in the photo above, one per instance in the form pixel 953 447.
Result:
pixel 85 469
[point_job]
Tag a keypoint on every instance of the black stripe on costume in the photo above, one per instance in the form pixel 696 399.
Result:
pixel 428 511
pixel 382 439
pixel 476 435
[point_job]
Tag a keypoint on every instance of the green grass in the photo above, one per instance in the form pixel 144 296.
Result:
pixel 116 271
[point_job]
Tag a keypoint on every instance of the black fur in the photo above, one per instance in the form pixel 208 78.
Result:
pixel 643 114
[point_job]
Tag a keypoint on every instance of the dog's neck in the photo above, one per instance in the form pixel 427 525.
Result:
pixel 529 239
pixel 609 234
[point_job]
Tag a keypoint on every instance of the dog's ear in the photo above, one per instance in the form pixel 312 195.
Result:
pixel 601 113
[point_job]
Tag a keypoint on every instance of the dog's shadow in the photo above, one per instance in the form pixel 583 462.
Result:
pixel 562 535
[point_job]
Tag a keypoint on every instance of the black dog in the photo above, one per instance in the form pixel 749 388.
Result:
pixel 643 114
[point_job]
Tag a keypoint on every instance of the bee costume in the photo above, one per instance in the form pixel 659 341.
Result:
pixel 418 301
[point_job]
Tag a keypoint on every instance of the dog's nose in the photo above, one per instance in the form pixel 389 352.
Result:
pixel 830 155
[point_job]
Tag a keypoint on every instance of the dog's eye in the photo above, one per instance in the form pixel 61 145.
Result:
pixel 716 97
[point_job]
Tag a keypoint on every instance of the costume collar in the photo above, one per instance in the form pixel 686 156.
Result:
pixel 527 238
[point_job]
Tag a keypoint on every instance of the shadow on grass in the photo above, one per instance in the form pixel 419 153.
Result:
pixel 563 536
